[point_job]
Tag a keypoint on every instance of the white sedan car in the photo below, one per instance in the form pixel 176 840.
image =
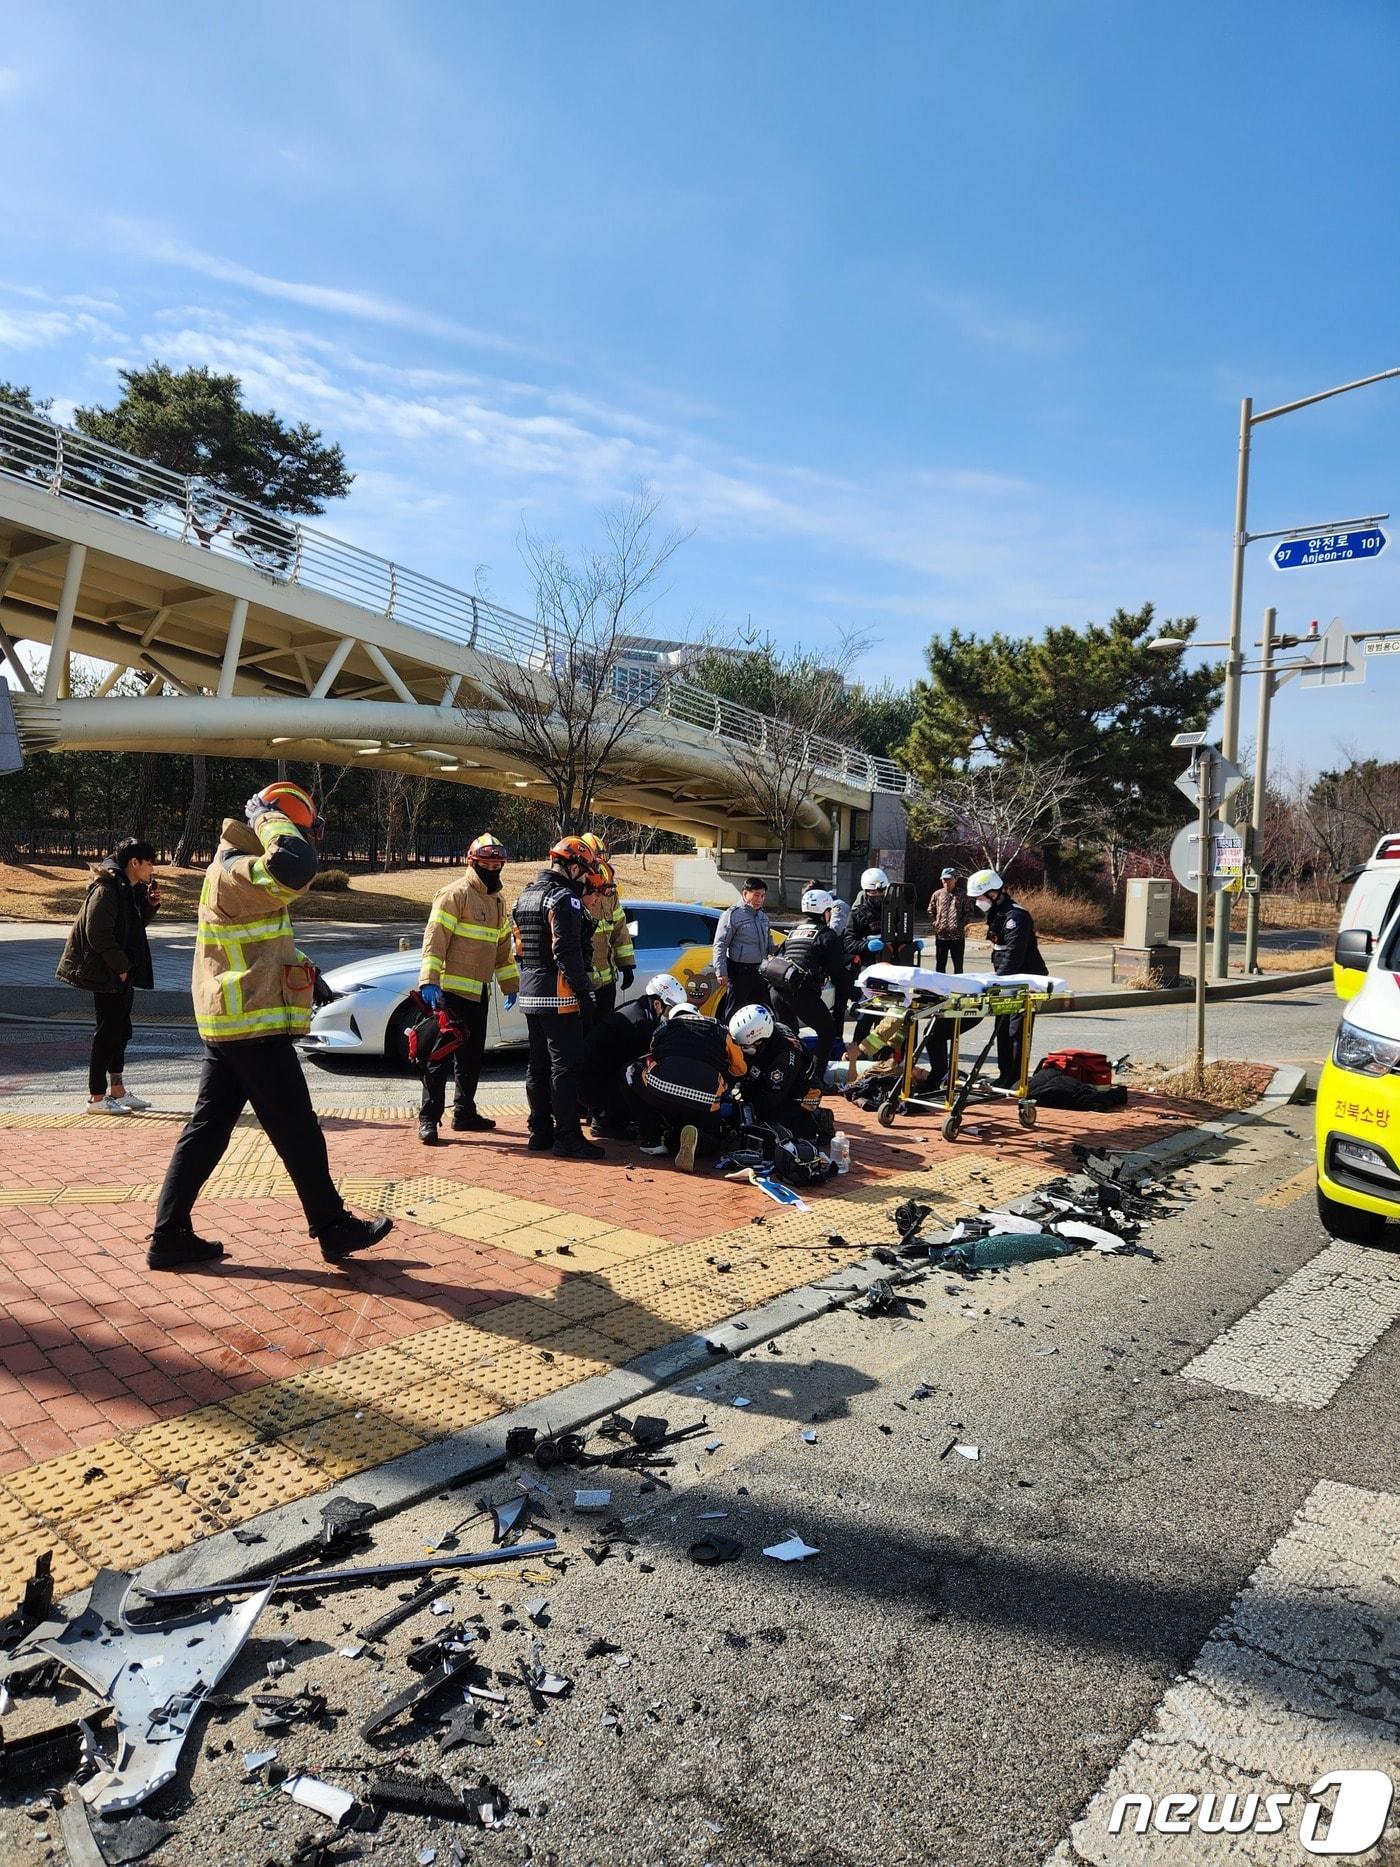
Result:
pixel 371 1011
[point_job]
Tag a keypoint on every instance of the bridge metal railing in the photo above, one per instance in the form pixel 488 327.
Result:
pixel 73 466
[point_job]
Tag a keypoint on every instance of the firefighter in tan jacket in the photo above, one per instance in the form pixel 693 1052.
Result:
pixel 466 944
pixel 613 958
pixel 253 993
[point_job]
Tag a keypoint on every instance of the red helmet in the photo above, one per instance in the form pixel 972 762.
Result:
pixel 487 848
pixel 575 853
pixel 296 805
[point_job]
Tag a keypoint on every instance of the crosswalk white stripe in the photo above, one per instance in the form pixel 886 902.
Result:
pixel 1294 1682
pixel 1302 1341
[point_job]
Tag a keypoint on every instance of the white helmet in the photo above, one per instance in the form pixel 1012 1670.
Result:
pixel 817 901
pixel 751 1026
pixel 983 882
pixel 687 1010
pixel 840 916
pixel 874 878
pixel 670 991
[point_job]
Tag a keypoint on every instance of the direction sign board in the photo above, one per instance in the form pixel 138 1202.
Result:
pixel 1383 645
pixel 1224 857
pixel 1337 662
pixel 1328 548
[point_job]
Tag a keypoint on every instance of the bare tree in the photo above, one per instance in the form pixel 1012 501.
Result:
pixel 573 713
pixel 805 702
pixel 995 809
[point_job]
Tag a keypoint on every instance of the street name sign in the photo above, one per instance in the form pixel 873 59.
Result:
pixel 1328 548
pixel 1384 645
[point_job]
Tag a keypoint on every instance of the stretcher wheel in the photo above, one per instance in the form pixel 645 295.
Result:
pixel 887 1113
pixel 1025 1112
pixel 951 1127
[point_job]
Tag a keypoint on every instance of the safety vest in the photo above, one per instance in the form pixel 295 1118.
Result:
pixel 467 940
pixel 550 933
pixel 249 979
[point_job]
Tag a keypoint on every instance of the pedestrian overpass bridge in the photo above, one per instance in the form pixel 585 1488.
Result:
pixel 253 637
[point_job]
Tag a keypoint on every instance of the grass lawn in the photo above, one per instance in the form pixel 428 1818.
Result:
pixel 53 889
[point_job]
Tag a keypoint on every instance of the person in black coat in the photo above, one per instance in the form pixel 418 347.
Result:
pixel 107 953
pixel 1015 949
pixel 812 956
pixel 618 1038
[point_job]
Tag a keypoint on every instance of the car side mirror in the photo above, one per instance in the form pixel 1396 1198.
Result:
pixel 1353 950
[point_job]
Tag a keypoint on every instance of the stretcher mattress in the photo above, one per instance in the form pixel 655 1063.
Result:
pixel 907 981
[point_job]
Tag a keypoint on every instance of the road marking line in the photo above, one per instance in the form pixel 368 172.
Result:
pixel 1302 1341
pixel 1290 1684
pixel 1290 1190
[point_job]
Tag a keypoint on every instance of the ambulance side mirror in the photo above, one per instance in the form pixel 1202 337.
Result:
pixel 1353 949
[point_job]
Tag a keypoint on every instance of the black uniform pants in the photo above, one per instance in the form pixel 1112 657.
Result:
pixel 604 998
pixel 266 1072
pixel 1010 1036
pixel 463 1065
pixel 112 1011
pixel 946 949
pixel 553 1072
pixel 808 1007
pixel 660 1117
pixel 746 987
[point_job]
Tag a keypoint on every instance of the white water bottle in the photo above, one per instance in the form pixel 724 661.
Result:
pixel 841 1153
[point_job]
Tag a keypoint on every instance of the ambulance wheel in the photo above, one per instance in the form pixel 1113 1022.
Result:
pixel 888 1111
pixel 951 1127
pixel 1025 1112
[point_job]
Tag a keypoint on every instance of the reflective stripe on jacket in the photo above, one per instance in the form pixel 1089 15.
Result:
pixel 549 932
pixel 467 940
pixel 249 979
pixel 612 944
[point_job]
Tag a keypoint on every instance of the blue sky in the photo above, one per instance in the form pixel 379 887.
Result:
pixel 917 315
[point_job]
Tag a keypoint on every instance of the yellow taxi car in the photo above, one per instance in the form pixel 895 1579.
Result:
pixel 1358 1096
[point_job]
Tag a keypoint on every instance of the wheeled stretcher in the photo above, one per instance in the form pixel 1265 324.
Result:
pixel 920 996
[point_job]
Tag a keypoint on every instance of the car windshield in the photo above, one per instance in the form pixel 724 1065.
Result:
pixel 1390 954
pixel 672 927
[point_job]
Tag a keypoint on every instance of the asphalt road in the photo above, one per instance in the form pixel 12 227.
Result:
pixel 957 1671
pixel 47 1062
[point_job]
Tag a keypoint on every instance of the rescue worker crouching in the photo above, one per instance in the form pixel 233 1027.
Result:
pixel 613 960
pixel 680 1089
pixel 618 1038
pixel 782 1079
pixel 1011 930
pixel 253 993
pixel 812 956
pixel 466 944
pixel 552 946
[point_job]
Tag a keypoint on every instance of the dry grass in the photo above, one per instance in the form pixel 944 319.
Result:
pixel 1065 917
pixel 1294 959
pixel 53 889
pixel 1222 1084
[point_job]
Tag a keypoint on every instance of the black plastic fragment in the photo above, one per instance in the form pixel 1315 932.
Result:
pixel 375 1630
pixel 47 1753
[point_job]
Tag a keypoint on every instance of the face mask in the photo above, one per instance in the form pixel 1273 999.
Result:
pixel 490 879
pixel 984 902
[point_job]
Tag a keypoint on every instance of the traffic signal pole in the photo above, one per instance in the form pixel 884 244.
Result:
pixel 1204 757
pixel 1261 778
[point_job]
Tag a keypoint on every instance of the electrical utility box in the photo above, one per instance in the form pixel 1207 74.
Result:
pixel 1147 920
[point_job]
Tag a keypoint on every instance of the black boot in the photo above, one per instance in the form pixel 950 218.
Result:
pixel 541 1140
pixel 352 1234
pixel 428 1134
pixel 577 1146
pixel 177 1249
pixel 471 1121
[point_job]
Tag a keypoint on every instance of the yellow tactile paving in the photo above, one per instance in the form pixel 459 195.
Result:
pixel 190 1440
pixel 359 1380
pixel 80 1481
pixel 256 1479
pixel 453 1347
pixel 578 1299
pixel 23 1539
pixel 524 1372
pixel 351 1442
pixel 442 1404
pixel 281 1406
pixel 124 1535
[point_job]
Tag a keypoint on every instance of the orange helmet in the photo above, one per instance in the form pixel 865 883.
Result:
pixel 574 852
pixel 487 848
pixel 296 805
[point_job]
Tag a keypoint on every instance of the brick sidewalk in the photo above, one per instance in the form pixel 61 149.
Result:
pixel 140 1410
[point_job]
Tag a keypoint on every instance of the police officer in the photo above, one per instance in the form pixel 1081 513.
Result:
pixel 253 994
pixel 743 940
pixel 613 959
pixel 1011 930
pixel 782 1081
pixel 811 957
pixel 681 1087
pixel 466 943
pixel 552 941
pixel 620 1037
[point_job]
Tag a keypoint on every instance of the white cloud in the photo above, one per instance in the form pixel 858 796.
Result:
pixel 151 243
pixel 36 330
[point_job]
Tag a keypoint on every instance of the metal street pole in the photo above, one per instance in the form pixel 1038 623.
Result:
pixel 1261 776
pixel 1234 662
pixel 1204 757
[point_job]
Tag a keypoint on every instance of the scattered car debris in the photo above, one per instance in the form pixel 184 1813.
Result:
pixel 35 1605
pixel 592 1500
pixel 309 1792
pixel 373 1631
pixel 509 1515
pixel 372 1572
pixel 344 1521
pixel 44 1753
pixel 277 1710
pixel 709 1551
pixel 791 1549
pixel 131 1839
pixel 446 1664
pixel 255 1760
pixel 810 1436
pixel 154 1676
pixel 464 1724
pixel 742 1400
pixel 967 1452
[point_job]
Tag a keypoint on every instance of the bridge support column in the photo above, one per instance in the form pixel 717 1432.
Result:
pixel 233 648
pixel 56 674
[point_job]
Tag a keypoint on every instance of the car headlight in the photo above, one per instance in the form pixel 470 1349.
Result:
pixel 1364 1052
